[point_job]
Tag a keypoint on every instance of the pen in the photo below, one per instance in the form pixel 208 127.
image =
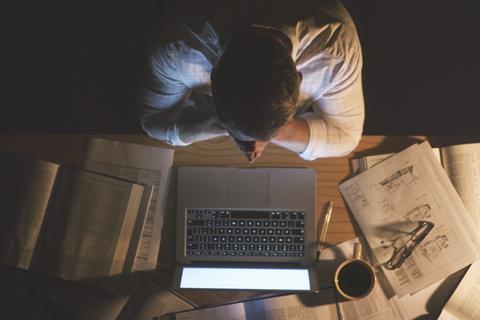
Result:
pixel 323 234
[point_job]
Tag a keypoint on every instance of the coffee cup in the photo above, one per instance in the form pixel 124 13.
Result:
pixel 355 278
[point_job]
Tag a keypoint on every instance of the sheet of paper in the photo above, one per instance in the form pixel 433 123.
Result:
pixel 389 201
pixel 462 163
pixel 465 301
pixel 292 307
pixel 90 225
pixel 26 186
pixel 143 164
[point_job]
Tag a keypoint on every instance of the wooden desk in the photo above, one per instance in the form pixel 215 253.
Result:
pixel 69 150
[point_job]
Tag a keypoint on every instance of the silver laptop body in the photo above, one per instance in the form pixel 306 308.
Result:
pixel 247 190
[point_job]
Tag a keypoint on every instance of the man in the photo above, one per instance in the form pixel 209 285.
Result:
pixel 295 83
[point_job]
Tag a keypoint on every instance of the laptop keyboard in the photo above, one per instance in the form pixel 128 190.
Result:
pixel 265 233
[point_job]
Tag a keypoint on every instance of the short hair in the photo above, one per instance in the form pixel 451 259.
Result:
pixel 255 85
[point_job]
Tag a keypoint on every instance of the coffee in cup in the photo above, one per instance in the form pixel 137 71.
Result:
pixel 354 278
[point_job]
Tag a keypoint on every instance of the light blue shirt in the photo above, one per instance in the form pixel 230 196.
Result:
pixel 326 50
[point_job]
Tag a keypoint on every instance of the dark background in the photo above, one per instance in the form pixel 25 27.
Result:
pixel 75 66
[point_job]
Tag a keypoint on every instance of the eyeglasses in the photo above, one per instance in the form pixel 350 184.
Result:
pixel 416 237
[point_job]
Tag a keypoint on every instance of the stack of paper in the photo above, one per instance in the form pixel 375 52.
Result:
pixel 396 202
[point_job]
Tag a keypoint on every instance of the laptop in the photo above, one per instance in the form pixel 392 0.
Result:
pixel 246 229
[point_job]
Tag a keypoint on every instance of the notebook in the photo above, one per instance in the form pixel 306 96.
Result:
pixel 246 228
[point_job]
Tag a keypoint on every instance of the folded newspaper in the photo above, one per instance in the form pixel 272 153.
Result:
pixel 413 219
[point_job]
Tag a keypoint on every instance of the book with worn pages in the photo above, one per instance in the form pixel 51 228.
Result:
pixel 145 165
pixel 69 223
pixel 413 219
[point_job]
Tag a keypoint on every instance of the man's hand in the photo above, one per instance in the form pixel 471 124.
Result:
pixel 293 136
pixel 251 149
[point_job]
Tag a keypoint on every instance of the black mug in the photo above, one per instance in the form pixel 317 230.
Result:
pixel 355 278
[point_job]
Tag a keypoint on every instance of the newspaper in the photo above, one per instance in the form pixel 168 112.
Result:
pixel 142 164
pixel 395 201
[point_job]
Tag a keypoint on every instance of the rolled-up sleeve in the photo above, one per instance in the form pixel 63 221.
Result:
pixel 338 111
pixel 336 123
pixel 162 97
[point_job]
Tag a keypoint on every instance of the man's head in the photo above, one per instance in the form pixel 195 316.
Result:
pixel 255 85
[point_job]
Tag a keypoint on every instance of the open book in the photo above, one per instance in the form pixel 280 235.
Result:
pixel 66 222
pixel 413 219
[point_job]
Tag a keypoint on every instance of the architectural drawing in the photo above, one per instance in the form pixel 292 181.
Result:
pixel 399 179
pixel 433 247
pixel 418 213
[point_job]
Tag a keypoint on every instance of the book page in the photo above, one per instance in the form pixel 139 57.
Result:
pixel 465 301
pixel 25 186
pixel 306 306
pixel 462 163
pixel 405 197
pixel 90 225
pixel 445 315
pixel 145 165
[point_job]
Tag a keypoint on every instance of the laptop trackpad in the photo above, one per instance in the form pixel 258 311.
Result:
pixel 247 188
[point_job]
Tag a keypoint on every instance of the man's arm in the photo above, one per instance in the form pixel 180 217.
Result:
pixel 336 123
pixel 169 110
pixel 294 136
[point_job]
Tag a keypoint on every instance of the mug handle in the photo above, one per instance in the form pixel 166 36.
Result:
pixel 357 251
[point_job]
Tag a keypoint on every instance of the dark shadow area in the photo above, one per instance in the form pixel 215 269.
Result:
pixel 441 295
pixel 30 295
pixel 73 66
pixel 76 66
pixel 420 66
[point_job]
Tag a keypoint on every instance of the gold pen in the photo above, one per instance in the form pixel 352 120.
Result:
pixel 321 236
